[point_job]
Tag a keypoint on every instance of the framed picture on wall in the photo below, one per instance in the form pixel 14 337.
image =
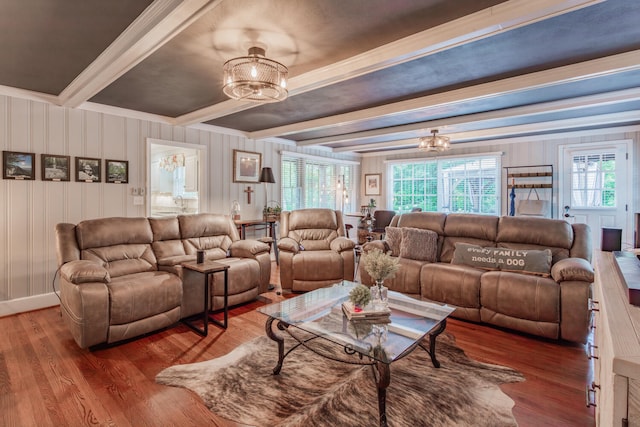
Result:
pixel 372 184
pixel 117 171
pixel 246 166
pixel 16 165
pixel 55 168
pixel 88 170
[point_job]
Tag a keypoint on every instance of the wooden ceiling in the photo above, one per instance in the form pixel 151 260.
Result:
pixel 365 75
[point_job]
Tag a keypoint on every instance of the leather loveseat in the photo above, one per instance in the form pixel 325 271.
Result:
pixel 551 302
pixel 122 277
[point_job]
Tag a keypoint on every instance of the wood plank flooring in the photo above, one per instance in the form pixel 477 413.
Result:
pixel 46 380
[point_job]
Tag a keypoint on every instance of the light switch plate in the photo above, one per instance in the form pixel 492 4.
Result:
pixel 138 200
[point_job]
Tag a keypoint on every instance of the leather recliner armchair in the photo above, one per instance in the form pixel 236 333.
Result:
pixel 314 249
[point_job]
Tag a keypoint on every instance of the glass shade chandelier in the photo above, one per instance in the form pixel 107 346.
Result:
pixel 434 142
pixel 255 78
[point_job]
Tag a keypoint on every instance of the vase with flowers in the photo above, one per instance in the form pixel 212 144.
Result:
pixel 380 266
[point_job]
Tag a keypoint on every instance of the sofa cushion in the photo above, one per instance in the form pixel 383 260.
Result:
pixel 137 296
pixel 419 244
pixel 393 237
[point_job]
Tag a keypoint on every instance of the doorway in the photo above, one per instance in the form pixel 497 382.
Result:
pixel 595 187
pixel 176 178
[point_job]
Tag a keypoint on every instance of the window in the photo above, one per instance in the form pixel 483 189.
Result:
pixel 316 182
pixel 457 184
pixel 593 180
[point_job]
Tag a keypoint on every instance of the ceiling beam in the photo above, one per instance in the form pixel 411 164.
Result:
pixel 158 24
pixel 502 17
pixel 567 74
pixel 611 119
pixel 455 123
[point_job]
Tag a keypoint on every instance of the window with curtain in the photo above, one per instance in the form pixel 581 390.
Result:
pixel 314 182
pixel 593 181
pixel 457 184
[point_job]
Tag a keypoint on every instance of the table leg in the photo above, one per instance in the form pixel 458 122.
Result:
pixel 279 340
pixel 432 342
pixel 243 231
pixel 272 231
pixel 225 308
pixel 383 380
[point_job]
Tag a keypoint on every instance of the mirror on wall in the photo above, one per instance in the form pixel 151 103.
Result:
pixel 175 178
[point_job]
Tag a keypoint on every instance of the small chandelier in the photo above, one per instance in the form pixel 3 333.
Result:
pixel 434 142
pixel 255 78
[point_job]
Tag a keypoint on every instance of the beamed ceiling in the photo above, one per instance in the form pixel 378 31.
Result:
pixel 365 75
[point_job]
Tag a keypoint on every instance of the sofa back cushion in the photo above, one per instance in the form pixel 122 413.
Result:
pixel 212 233
pixel 536 233
pixel 166 238
pixel 480 230
pixel 314 229
pixel 121 245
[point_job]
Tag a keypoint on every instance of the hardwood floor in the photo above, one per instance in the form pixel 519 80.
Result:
pixel 46 380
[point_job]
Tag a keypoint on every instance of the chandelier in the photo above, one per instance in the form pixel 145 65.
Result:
pixel 255 78
pixel 434 142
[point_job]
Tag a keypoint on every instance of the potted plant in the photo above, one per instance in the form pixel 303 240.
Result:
pixel 271 213
pixel 380 266
pixel 360 296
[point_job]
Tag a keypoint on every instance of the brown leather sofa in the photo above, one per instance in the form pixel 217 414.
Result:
pixel 552 307
pixel 314 249
pixel 122 277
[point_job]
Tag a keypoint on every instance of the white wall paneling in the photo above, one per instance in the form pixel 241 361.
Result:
pixel 29 210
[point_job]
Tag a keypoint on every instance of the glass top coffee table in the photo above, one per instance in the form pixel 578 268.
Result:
pixel 377 342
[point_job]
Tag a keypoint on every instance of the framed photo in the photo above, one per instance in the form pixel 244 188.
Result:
pixel 17 165
pixel 246 166
pixel 117 171
pixel 372 184
pixel 55 168
pixel 88 170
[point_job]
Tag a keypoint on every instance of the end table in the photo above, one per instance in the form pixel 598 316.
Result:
pixel 208 268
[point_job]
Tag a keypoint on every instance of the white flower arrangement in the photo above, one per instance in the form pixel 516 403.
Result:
pixel 380 265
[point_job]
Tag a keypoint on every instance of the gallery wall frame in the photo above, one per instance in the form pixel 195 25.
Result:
pixel 373 184
pixel 116 171
pixel 246 166
pixel 18 165
pixel 55 167
pixel 88 169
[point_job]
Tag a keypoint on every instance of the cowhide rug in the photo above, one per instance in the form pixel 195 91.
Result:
pixel 314 391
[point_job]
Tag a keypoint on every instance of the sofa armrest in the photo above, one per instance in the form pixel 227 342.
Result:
pixel 84 271
pixel 572 269
pixel 341 244
pixel 248 248
pixel 287 244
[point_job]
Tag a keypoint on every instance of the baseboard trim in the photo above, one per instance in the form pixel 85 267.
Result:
pixel 21 305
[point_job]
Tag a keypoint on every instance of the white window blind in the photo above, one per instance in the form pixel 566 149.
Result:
pixel 314 182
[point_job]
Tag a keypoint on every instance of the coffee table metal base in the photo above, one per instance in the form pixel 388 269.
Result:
pixel 381 370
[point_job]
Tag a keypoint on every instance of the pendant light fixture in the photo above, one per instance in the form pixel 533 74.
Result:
pixel 434 142
pixel 255 78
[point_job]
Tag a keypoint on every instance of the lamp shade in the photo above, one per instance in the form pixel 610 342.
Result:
pixel 266 175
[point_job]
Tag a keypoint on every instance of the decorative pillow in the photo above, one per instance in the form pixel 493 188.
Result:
pixel 393 237
pixel 474 256
pixel 419 244
pixel 528 261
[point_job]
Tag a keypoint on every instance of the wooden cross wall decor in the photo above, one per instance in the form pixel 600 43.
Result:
pixel 248 191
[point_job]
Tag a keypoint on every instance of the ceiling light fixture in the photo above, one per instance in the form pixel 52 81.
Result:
pixel 434 142
pixel 255 78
